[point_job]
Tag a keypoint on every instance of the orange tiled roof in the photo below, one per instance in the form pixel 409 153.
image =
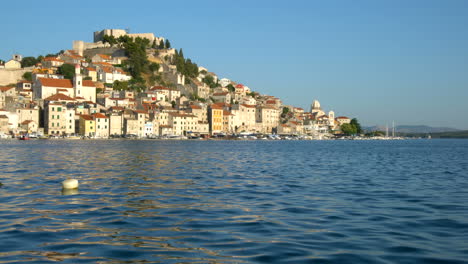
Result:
pixel 87 117
pixel 64 83
pixel 6 88
pixel 99 115
pixel 59 97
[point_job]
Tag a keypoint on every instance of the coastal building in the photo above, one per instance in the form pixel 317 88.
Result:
pixel 215 117
pixel 102 125
pixel 87 126
pixel 45 87
pixel 223 97
pixel 28 114
pixel 182 124
pixel 268 118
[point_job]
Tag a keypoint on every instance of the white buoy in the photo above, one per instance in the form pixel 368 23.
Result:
pixel 70 184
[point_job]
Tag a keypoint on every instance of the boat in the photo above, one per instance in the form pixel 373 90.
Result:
pixel 23 137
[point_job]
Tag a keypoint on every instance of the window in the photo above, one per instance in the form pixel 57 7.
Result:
pixel 53 108
pixel 52 124
pixel 52 116
pixel 59 109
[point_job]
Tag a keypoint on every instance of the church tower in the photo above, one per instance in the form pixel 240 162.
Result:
pixel 331 118
pixel 78 81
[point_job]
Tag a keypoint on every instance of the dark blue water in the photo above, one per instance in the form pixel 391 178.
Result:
pixel 234 201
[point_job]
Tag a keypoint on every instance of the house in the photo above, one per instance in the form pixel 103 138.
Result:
pixel 5 92
pixel 52 62
pixel 91 72
pixel 244 117
pixel 102 125
pixel 268 118
pixel 198 111
pixel 87 126
pixel 111 74
pixel 12 120
pixel 45 87
pixel 28 114
pixel 101 58
pixel 4 124
pixel 116 122
pixel 168 94
pixel 59 119
pixel 29 126
pixel 343 120
pixel 149 128
pixel 223 97
pixel 12 64
pixel 228 122
pixel 215 119
pixel 224 82
pixel 183 123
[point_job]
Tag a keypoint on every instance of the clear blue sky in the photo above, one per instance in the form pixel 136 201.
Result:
pixel 375 60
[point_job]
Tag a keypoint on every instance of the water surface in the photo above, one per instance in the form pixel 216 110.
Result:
pixel 234 201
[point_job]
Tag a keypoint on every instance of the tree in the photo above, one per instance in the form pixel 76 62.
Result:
pixel 284 112
pixel 231 87
pixel 161 44
pixel 357 126
pixel 67 70
pixel 27 76
pixel 167 44
pixel 173 103
pixel 154 67
pixel 120 85
pixel 348 129
pixel 28 61
pixel 87 78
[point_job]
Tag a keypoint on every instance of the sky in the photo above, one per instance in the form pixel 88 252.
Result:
pixel 377 61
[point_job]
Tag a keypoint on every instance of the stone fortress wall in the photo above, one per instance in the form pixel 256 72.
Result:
pixel 12 76
pixel 80 46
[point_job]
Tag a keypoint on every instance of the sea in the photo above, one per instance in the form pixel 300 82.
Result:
pixel 195 201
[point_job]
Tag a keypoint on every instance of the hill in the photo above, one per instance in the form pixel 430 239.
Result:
pixel 413 129
pixel 452 134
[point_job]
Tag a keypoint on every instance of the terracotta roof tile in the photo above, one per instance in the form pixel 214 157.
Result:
pixel 59 97
pixel 64 83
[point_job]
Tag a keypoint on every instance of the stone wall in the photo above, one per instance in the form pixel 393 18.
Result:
pixel 12 76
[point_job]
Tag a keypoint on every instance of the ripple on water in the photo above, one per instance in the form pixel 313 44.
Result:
pixel 234 202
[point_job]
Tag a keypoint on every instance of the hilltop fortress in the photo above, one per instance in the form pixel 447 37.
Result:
pixel 80 46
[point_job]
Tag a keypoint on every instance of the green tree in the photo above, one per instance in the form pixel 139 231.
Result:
pixel 161 44
pixel 67 70
pixel 284 112
pixel 209 80
pixel 154 67
pixel 28 61
pixel 348 129
pixel 356 125
pixel 231 88
pixel 27 76
pixel 167 44
pixel 120 85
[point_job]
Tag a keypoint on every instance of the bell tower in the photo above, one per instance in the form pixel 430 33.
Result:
pixel 78 81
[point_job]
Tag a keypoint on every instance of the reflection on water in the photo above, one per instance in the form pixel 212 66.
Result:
pixel 234 202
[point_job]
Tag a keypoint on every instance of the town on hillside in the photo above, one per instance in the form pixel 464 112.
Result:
pixel 137 85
